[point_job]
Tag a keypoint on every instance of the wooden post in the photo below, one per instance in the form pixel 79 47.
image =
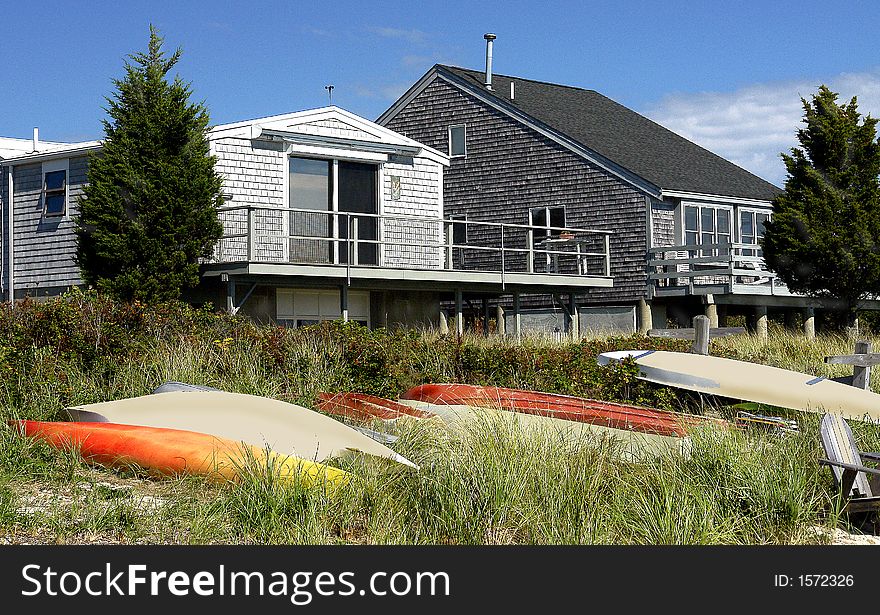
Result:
pixel 575 324
pixel 761 321
pixel 343 302
pixel 810 323
pixel 517 321
pixel 711 311
pixel 861 361
pixel 500 326
pixel 862 375
pixel 701 335
pixel 459 315
pixel 646 319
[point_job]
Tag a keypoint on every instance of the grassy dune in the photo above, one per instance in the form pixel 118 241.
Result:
pixel 489 483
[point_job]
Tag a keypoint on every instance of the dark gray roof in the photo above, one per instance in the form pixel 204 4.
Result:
pixel 632 141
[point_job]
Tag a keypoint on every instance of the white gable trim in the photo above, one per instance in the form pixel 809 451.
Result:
pixel 284 126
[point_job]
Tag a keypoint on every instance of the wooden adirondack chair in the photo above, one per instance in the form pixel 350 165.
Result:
pixel 848 466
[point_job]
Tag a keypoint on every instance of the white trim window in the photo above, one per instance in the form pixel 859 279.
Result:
pixel 458 141
pixel 707 224
pixel 751 228
pixel 303 307
pixel 55 188
pixel 545 218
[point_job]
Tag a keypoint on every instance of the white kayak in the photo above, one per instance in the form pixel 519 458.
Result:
pixel 260 421
pixel 750 382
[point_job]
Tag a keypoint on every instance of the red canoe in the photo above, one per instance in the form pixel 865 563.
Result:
pixel 566 407
pixel 172 451
pixel 364 407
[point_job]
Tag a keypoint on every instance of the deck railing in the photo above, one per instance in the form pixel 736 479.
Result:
pixel 262 234
pixel 738 266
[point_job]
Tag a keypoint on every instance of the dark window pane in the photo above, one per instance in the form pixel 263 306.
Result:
pixel 557 216
pixel 358 194
pixel 723 221
pixel 457 141
pixel 539 217
pixel 708 220
pixel 747 224
pixel 690 238
pixel 55 180
pixel 760 219
pixel 690 218
pixel 55 203
pixel 459 231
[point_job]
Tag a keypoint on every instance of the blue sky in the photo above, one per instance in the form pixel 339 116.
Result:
pixel 728 75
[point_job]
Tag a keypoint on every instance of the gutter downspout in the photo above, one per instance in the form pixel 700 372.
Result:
pixel 10 239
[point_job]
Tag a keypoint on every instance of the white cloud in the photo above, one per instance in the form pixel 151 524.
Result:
pixel 416 37
pixel 753 125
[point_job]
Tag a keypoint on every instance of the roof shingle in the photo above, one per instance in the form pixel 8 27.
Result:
pixel 625 137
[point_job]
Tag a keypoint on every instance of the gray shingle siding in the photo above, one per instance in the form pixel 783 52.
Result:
pixel 45 247
pixel 511 168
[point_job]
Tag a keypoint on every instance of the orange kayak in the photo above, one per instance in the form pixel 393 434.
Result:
pixel 174 451
pixel 364 407
pixel 566 407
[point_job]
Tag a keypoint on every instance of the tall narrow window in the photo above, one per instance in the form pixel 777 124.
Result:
pixel 751 227
pixel 55 187
pixel 358 194
pixel 457 141
pixel 309 184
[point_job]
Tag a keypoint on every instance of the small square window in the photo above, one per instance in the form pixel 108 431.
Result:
pixel 457 138
pixel 55 193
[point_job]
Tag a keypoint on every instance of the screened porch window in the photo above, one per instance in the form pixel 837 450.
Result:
pixel 752 229
pixel 705 225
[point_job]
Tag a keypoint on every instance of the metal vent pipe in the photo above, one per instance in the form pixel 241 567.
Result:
pixel 489 38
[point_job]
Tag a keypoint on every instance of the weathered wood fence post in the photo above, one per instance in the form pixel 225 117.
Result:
pixel 701 333
pixel 861 361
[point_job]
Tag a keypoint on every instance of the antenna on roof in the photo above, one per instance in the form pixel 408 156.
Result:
pixel 489 38
pixel 329 89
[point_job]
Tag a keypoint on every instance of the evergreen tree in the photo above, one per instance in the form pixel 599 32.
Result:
pixel 149 210
pixel 823 238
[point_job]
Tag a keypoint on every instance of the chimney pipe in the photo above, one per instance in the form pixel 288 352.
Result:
pixel 489 38
pixel 36 138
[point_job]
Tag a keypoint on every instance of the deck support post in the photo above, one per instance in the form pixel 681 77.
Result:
pixel 500 325
pixel 517 321
pixel 343 302
pixel 712 311
pixel 646 318
pixel 761 321
pixel 459 315
pixel 810 323
pixel 573 319
pixel 444 323
pixel 230 294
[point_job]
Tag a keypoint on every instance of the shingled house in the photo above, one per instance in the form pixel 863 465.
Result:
pixel 685 222
pixel 326 215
